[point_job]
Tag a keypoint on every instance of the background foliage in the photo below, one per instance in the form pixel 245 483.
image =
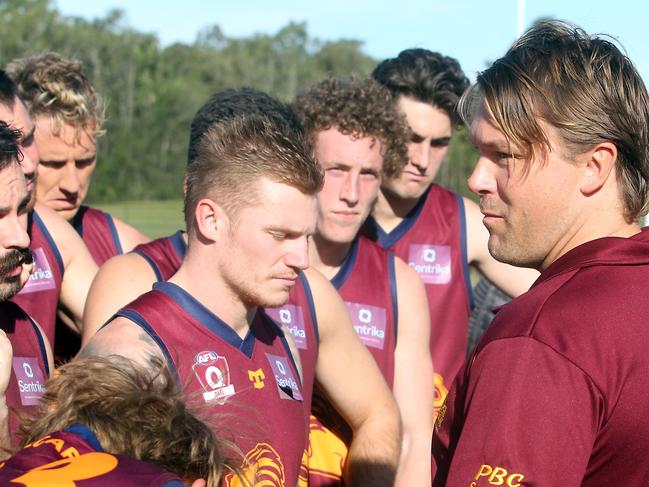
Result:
pixel 152 92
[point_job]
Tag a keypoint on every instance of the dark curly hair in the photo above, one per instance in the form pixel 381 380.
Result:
pixel 356 107
pixel 425 76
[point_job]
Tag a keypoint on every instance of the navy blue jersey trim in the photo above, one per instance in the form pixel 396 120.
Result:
pixel 179 245
pixel 139 320
pixel 86 434
pixel 113 233
pixel 393 294
pixel 77 220
pixel 208 319
pixel 389 240
pixel 154 266
pixel 50 241
pixel 348 265
pixel 41 343
pixel 463 246
pixel 309 300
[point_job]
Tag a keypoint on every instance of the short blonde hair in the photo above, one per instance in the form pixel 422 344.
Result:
pixel 53 86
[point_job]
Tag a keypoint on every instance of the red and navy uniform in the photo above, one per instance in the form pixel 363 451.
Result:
pixel 366 282
pixel 432 240
pixel 556 392
pixel 97 229
pixel 30 367
pixel 298 316
pixel 253 382
pixel 40 295
pixel 74 457
pixel 164 254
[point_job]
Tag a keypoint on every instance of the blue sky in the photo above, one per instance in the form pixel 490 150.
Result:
pixel 472 31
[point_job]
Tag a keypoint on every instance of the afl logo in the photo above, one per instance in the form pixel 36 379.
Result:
pixel 206 358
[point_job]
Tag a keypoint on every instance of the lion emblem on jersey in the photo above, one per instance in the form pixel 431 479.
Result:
pixel 262 467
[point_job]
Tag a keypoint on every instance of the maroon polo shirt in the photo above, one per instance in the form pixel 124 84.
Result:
pixel 557 391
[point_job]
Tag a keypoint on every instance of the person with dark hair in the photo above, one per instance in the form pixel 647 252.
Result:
pixel 437 232
pixel 555 393
pixel 315 317
pixel 68 114
pixel 63 267
pixel 358 136
pixel 109 422
pixel 22 384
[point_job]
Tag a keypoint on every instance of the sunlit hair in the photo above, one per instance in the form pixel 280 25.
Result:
pixel 425 76
pixel 228 104
pixel 9 145
pixel 582 85
pixel 133 412
pixel 236 153
pixel 56 87
pixel 358 108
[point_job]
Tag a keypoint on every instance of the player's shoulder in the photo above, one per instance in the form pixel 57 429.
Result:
pixel 129 236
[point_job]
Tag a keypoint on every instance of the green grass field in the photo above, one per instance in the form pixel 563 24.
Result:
pixel 153 218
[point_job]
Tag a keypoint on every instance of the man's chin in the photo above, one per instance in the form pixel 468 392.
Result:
pixel 8 289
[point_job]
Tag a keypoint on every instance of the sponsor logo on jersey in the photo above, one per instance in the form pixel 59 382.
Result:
pixel 432 262
pixel 257 378
pixel 488 475
pixel 369 323
pixel 67 471
pixel 287 386
pixel 42 279
pixel 262 466
pixel 290 317
pixel 30 378
pixel 213 373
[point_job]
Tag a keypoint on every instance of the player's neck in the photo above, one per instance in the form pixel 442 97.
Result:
pixel 326 256
pixel 199 278
pixel 390 210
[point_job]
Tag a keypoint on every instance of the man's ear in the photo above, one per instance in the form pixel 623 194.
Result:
pixel 599 166
pixel 210 218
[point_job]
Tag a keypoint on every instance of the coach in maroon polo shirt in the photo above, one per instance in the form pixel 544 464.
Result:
pixel 557 392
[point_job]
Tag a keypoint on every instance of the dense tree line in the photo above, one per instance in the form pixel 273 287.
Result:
pixel 152 92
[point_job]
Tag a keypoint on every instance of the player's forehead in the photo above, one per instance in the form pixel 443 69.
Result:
pixel 334 147
pixel 64 141
pixel 424 118
pixel 13 189
pixel 16 116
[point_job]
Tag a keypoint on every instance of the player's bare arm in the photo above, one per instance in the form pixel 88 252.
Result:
pixel 513 281
pixel 351 378
pixel 130 237
pixel 119 281
pixel 123 337
pixel 80 268
pixel 413 377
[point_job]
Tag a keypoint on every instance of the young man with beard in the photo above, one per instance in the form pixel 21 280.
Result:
pixel 437 232
pixel 556 391
pixel 22 385
pixel 63 268
pixel 357 136
pixel 68 115
pixel 250 207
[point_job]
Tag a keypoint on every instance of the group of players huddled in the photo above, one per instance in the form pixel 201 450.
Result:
pixel 310 324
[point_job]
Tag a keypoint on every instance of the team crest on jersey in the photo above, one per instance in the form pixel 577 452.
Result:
pixel 432 262
pixel 42 279
pixel 262 466
pixel 213 373
pixel 369 323
pixel 292 318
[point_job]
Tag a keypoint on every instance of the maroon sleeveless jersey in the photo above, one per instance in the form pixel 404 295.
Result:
pixel 366 282
pixel 252 383
pixel 164 254
pixel 97 229
pixel 432 240
pixel 74 457
pixel 40 296
pixel 29 368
